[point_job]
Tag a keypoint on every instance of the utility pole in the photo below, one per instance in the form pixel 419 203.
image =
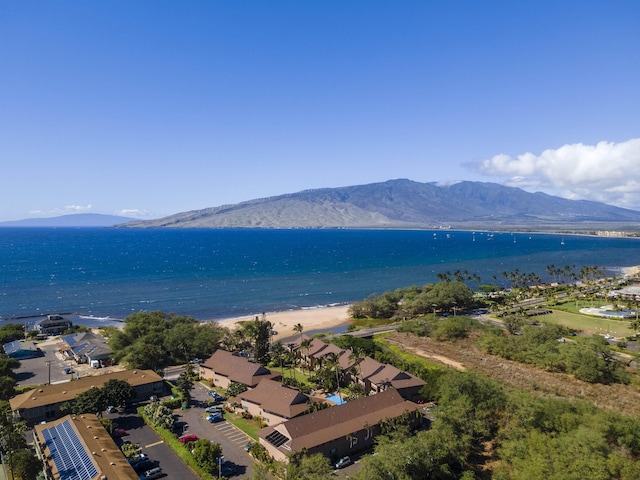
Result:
pixel 48 362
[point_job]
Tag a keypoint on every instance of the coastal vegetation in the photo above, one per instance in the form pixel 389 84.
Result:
pixel 154 340
pixel 528 398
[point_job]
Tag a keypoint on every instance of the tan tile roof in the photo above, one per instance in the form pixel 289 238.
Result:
pixel 394 377
pixel 61 392
pixel 318 348
pixel 102 450
pixel 308 431
pixel 370 367
pixel 277 398
pixel 236 368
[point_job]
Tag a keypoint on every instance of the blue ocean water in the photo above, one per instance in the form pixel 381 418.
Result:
pixel 216 274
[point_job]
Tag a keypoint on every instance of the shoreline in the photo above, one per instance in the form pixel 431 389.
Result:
pixel 319 318
pixel 322 317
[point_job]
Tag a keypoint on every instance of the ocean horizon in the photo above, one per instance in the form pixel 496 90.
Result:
pixel 106 274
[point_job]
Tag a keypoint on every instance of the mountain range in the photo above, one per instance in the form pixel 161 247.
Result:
pixel 405 203
pixel 73 220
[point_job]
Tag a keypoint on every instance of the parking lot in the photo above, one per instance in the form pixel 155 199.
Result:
pixel 231 439
pixel 193 421
pixel 140 433
pixel 50 367
pixel 37 371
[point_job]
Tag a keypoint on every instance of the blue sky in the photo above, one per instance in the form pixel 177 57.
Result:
pixel 150 108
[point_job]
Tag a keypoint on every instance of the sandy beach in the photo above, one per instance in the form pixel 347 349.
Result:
pixel 631 271
pixel 310 319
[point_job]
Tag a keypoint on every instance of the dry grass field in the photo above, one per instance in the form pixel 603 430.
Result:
pixel 465 354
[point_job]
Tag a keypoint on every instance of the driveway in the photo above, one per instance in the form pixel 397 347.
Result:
pixel 228 436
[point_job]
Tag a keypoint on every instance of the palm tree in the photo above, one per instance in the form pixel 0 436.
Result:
pixel 292 360
pixel 305 344
pixel 333 363
pixel 357 356
pixel 278 353
pixel 298 328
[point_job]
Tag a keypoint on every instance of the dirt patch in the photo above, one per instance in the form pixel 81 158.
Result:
pixel 465 354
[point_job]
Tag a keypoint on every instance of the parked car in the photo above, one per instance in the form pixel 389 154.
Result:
pixel 248 446
pixel 120 432
pixel 343 462
pixel 145 465
pixel 68 370
pixel 214 418
pixel 188 438
pixel 141 457
pixel 214 409
pixel 111 409
pixel 228 469
pixel 152 474
pixel 216 396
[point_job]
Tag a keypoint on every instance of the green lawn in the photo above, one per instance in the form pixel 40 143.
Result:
pixel 588 323
pixel 247 426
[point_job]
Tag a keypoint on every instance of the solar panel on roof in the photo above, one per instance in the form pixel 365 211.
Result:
pixel 12 347
pixel 276 439
pixel 67 453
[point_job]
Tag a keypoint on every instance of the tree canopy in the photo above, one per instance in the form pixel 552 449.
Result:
pixel 153 340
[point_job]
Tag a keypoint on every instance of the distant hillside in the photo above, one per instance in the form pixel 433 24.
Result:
pixel 75 220
pixel 403 204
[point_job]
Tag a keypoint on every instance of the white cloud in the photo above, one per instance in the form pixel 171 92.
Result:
pixel 607 172
pixel 78 208
pixel 134 213
pixel 66 210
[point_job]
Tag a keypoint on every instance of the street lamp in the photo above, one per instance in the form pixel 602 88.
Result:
pixel 220 459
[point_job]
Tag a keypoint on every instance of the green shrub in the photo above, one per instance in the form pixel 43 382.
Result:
pixel 173 403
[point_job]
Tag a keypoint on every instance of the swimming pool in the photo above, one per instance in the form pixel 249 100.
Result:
pixel 337 399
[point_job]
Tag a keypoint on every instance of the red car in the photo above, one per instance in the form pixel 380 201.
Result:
pixel 120 432
pixel 188 438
